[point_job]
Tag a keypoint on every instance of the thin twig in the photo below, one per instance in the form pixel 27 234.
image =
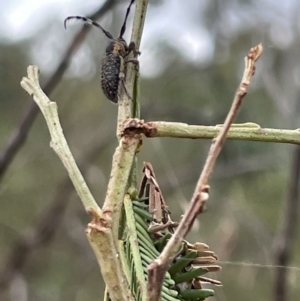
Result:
pixel 58 141
pixel 99 231
pixel 125 153
pixel 159 266
pixel 103 232
pixel 286 238
pixel 125 103
pixel 19 134
pixel 121 166
pixel 101 239
pixel 245 131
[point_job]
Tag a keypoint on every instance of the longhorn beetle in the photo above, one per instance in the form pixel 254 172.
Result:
pixel 113 64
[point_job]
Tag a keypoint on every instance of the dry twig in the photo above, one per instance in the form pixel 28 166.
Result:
pixel 102 232
pixel 58 141
pixel 158 267
pixel 125 103
pixel 99 231
pixel 122 163
pixel 238 131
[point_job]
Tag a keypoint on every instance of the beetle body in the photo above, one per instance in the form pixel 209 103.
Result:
pixel 112 69
pixel 113 64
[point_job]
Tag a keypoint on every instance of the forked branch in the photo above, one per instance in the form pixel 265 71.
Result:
pixel 159 266
pixel 99 231
pixel 102 232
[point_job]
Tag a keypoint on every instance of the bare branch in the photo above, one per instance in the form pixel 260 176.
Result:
pixel 103 232
pixel 125 103
pixel 58 141
pixel 117 186
pixel 159 266
pixel 238 131
pixel 100 236
pixel 125 153
pixel 99 231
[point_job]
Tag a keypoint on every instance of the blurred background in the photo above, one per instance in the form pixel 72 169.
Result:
pixel 191 64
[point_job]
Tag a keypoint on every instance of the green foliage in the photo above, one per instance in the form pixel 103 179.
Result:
pixel 142 247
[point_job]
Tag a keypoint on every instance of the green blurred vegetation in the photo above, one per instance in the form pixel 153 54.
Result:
pixel 248 186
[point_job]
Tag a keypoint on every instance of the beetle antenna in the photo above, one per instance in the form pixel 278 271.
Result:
pixel 89 22
pixel 123 28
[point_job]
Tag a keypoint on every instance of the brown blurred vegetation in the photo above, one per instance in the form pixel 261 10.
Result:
pixel 249 186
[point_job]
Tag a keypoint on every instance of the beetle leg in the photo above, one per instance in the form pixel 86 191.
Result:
pixel 132 47
pixel 135 62
pixel 122 80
